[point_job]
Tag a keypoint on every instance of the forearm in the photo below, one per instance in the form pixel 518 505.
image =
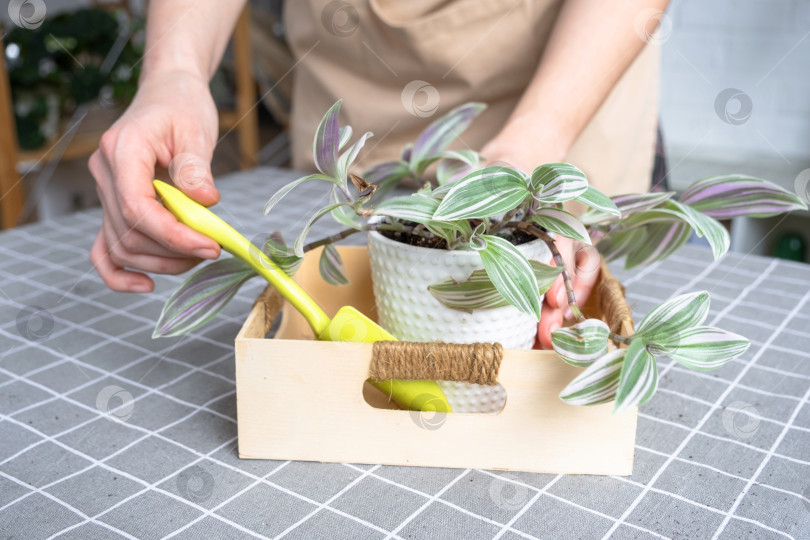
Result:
pixel 188 35
pixel 591 46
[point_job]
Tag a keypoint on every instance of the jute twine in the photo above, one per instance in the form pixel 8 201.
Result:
pixel 476 363
pixel 611 301
pixel 272 301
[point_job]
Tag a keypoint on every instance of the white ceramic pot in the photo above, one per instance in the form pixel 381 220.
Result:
pixel 402 273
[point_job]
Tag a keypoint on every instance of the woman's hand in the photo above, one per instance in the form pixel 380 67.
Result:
pixel 172 122
pixel 583 264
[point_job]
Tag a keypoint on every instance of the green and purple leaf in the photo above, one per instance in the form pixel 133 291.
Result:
pixel 386 175
pixel 437 136
pixel 598 383
pixel 703 348
pixel 202 296
pixel 345 135
pixel 416 207
pixel 482 194
pixel 561 222
pixel 285 189
pixel 638 379
pixel 298 247
pixel 730 196
pixel 277 251
pixel 557 182
pixel 653 242
pixel 617 244
pixel 674 316
pixel 599 203
pixel 583 343
pixel 626 204
pixel 327 142
pixel 455 164
pixel 510 272
pixel 707 226
pixel 478 291
pixel 347 158
pixel 331 266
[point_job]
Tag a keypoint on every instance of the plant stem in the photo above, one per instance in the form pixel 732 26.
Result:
pixel 330 239
pixel 620 339
pixel 396 227
pixel 559 261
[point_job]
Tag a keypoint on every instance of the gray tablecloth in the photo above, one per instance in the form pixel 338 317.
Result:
pixel 723 454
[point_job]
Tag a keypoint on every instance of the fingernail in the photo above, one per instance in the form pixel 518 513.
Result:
pixel 205 253
pixel 561 298
pixel 140 288
pixel 569 314
pixel 553 328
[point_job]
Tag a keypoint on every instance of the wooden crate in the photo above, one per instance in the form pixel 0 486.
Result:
pixel 302 399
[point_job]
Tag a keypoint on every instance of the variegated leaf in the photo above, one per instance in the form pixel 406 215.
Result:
pixel 327 141
pixel 581 344
pixel 345 135
pixel 598 383
pixel 729 196
pixel 298 247
pixel 455 164
pixel 627 204
pixel 510 272
pixel 638 202
pixel 331 266
pixel 673 316
pixel 416 207
pixel 618 244
pixel 438 135
pixel 202 296
pixel 655 242
pixel 277 251
pixel 599 203
pixel 285 189
pixel 638 379
pixel 561 222
pixel 707 226
pixel 703 348
pixel 441 192
pixel 484 193
pixel 478 291
pixel 347 158
pixel 673 211
pixel 557 182
pixel 386 175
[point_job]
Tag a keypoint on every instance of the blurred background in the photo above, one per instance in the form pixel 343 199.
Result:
pixel 735 98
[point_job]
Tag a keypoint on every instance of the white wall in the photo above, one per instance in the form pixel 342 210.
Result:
pixel 761 47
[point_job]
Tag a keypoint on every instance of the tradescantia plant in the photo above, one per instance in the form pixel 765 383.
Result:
pixel 490 210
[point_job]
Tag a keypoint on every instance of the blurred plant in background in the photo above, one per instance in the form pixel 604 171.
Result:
pixel 57 67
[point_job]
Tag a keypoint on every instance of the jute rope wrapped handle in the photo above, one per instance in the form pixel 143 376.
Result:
pixel 475 363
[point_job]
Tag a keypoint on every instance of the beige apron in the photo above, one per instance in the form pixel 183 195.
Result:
pixel 368 51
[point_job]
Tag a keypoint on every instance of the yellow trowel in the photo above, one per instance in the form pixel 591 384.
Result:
pixel 348 324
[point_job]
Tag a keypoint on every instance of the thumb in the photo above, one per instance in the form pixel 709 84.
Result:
pixel 191 173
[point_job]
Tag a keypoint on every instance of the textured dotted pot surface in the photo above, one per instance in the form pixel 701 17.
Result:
pixel 401 274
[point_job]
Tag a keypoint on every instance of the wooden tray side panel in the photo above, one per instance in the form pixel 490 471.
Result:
pixel 303 400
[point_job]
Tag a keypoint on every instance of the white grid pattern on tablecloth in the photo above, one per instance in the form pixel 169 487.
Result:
pixel 68 280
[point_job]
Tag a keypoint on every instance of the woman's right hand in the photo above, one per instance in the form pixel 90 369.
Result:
pixel 172 122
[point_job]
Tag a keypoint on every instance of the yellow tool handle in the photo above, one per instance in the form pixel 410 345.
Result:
pixel 203 220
